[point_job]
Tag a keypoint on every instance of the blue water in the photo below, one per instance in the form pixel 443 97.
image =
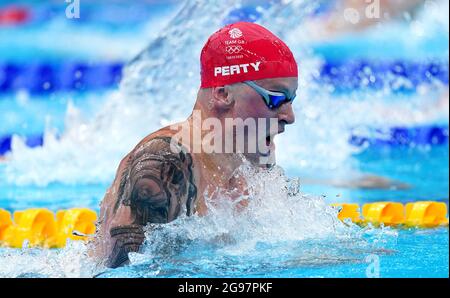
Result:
pixel 406 253
pixel 321 143
pixel 421 168
pixel 415 253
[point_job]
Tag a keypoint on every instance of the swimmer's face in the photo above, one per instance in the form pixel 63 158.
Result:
pixel 249 104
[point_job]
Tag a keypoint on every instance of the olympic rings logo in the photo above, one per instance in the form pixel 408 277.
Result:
pixel 233 49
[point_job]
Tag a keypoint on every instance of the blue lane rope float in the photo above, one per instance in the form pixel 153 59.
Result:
pixel 45 78
pixel 138 14
pixel 404 136
pixel 39 227
pixel 395 137
pixel 31 14
pixel 399 76
pixel 31 142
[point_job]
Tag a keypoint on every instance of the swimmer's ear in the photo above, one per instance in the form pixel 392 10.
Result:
pixel 223 98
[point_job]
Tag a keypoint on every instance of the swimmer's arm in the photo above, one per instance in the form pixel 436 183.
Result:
pixel 126 239
pixel 154 188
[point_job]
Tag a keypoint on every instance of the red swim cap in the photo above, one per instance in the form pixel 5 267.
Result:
pixel 242 52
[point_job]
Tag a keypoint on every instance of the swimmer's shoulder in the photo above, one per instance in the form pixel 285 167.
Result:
pixel 162 136
pixel 153 171
pixel 165 133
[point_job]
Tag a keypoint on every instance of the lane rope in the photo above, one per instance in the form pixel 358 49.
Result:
pixel 45 78
pixel 40 227
pixel 398 136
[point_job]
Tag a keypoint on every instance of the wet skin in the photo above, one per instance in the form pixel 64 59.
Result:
pixel 153 184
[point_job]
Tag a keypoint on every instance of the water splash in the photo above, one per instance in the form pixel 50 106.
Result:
pixel 72 261
pixel 149 97
pixel 279 229
pixel 159 87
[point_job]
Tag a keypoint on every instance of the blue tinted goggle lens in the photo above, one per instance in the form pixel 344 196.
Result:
pixel 273 99
pixel 278 100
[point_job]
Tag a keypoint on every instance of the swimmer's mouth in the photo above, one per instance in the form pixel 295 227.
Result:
pixel 270 146
pixel 269 141
pixel 269 138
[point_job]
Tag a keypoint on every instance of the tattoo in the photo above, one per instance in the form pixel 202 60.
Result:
pixel 156 184
pixel 126 239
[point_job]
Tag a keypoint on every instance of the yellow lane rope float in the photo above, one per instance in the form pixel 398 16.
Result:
pixel 424 214
pixel 39 227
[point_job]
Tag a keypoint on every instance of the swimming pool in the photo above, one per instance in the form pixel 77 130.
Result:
pixel 280 235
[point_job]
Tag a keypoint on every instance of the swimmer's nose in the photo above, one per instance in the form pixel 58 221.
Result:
pixel 286 114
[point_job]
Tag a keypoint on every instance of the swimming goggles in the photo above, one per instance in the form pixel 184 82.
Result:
pixel 273 99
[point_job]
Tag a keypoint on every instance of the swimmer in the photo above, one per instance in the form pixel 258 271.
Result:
pixel 246 73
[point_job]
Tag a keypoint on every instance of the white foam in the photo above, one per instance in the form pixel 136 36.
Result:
pixel 278 217
pixel 296 229
pixel 71 262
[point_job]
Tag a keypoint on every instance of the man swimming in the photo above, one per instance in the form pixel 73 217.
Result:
pixel 248 74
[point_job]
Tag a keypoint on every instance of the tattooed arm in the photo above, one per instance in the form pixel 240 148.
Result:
pixel 155 186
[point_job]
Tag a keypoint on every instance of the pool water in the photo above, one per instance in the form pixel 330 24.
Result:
pixel 415 253
pixel 87 130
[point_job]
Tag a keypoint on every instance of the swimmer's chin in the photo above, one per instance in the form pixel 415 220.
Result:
pixel 260 159
pixel 265 160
